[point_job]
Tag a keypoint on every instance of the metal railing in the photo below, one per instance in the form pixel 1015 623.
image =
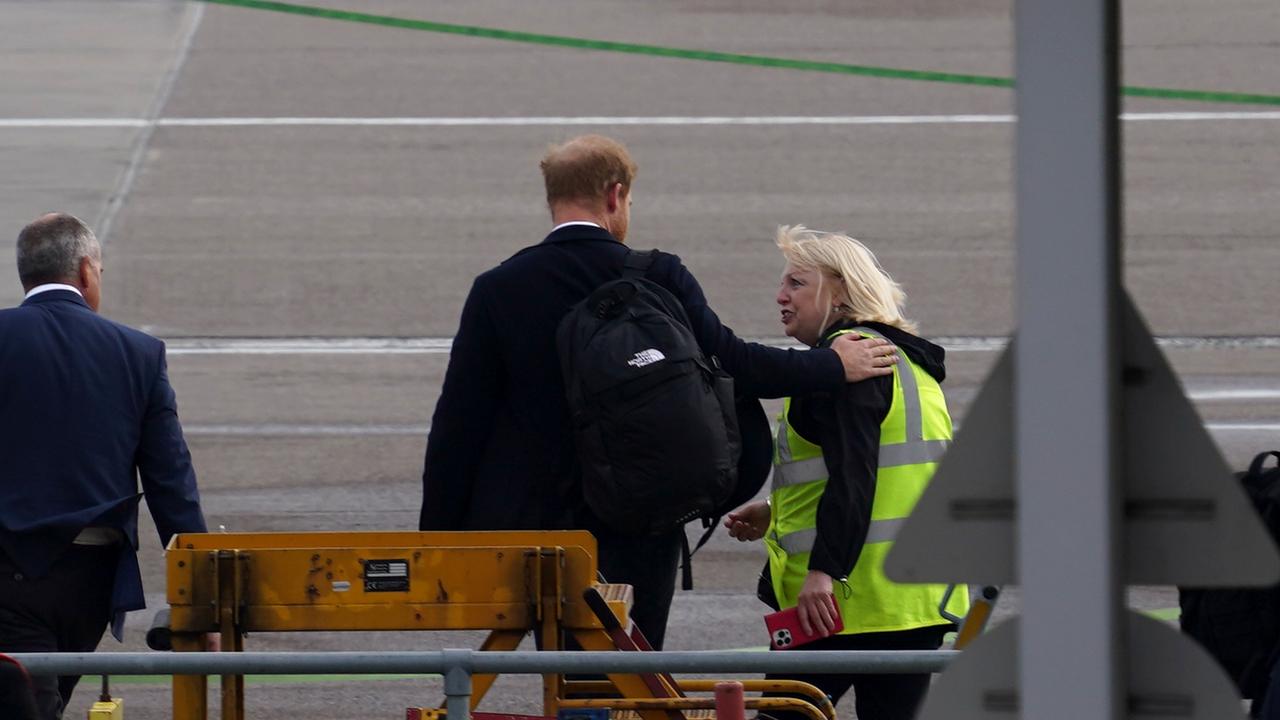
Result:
pixel 457 666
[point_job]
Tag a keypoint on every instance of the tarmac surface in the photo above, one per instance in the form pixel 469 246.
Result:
pixel 308 275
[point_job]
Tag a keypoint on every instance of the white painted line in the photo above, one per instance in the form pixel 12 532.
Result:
pixel 972 344
pixel 290 430
pixel 1181 342
pixel 558 121
pixel 1236 394
pixel 104 222
pixel 1244 427
pixel 350 430
pixel 54 123
pixel 1194 116
pixel 441 345
pixel 309 346
pixel 593 120
pixel 1250 342
pixel 311 351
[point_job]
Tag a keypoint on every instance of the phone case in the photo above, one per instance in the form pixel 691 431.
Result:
pixel 785 631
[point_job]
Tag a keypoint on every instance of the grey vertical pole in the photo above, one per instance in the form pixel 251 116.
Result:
pixel 457 684
pixel 1066 403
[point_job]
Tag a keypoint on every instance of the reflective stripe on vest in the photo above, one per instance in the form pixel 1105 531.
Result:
pixel 915 451
pixel 801 541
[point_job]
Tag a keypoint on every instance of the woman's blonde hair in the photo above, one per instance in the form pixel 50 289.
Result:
pixel 863 291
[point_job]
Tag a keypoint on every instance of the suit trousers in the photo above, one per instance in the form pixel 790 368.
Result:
pixel 877 697
pixel 17 699
pixel 648 563
pixel 1267 707
pixel 67 610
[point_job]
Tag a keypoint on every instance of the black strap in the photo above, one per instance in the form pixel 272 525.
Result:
pixel 1255 468
pixel 637 263
pixel 686 555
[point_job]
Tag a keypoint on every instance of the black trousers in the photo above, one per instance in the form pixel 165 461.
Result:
pixel 649 564
pixel 17 700
pixel 67 610
pixel 876 697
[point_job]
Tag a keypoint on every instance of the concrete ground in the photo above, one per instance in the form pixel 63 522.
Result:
pixel 308 277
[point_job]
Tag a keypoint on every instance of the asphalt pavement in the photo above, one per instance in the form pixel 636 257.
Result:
pixel 298 206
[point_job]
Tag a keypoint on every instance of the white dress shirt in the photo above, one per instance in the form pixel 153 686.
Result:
pixel 576 222
pixel 53 286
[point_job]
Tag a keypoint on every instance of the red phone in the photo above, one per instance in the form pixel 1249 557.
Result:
pixel 785 631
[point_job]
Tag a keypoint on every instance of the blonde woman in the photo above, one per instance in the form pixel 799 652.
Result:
pixel 848 468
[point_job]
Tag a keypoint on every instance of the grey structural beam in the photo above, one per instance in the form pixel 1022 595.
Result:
pixel 472 661
pixel 1082 435
pixel 1066 360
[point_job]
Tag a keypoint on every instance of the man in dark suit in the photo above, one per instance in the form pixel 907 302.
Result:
pixel 85 410
pixel 500 451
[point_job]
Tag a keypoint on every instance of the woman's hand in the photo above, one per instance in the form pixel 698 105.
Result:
pixel 749 522
pixel 817 605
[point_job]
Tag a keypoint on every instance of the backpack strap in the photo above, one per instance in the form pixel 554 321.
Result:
pixel 686 555
pixel 637 263
pixel 1255 468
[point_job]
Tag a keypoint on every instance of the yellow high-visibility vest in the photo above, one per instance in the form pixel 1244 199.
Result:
pixel 913 436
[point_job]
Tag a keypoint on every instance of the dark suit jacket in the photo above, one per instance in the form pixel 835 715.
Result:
pixel 500 451
pixel 85 410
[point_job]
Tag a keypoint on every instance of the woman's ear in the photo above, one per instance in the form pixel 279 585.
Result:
pixel 838 305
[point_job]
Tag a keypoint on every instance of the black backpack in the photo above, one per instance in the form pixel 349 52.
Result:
pixel 1241 627
pixel 654 421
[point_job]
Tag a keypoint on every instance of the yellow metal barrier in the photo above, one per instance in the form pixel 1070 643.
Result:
pixel 814 696
pixel 642 705
pixel 112 709
pixel 509 583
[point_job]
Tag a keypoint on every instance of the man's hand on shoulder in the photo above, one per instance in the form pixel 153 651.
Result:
pixel 864 357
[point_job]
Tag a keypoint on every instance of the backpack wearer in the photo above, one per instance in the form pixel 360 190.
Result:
pixel 1241 627
pixel 654 420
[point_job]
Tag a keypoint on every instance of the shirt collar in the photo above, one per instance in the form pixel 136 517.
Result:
pixel 52 286
pixel 577 222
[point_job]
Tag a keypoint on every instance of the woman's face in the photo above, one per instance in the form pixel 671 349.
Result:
pixel 805 309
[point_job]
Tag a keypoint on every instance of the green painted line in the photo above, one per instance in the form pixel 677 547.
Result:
pixel 1209 96
pixel 618 47
pixel 1168 614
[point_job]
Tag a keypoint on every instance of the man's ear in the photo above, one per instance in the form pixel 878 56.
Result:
pixel 86 272
pixel 614 198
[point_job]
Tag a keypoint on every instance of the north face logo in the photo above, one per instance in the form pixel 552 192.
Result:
pixel 646 357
